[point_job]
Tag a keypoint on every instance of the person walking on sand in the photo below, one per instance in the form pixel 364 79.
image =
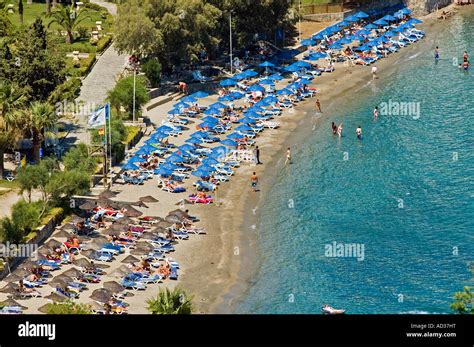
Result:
pixel 374 72
pixel 339 130
pixel 376 112
pixel 254 181
pixel 318 105
pixel 288 156
pixel 359 132
pixel 257 156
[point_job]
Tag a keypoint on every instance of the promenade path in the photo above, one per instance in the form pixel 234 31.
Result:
pixel 98 82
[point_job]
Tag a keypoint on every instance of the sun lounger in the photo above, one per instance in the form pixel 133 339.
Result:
pixel 127 284
pixel 205 186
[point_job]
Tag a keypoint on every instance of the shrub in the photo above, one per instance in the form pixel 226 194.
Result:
pixel 103 43
pixel 26 216
pixel 122 94
pixel 68 91
pixel 170 302
pixel 82 46
pixel 152 70
pixel 9 231
pixel 132 132
pixel 83 32
pixel 68 307
pixel 79 158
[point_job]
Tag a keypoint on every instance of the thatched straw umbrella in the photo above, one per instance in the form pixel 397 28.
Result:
pixel 55 297
pixel 148 198
pixel 172 218
pixel 130 260
pixel 107 194
pixel 131 212
pixel 10 288
pixel 101 295
pixel 72 272
pixel 12 278
pixel 11 302
pixel 82 262
pixel 114 287
pixel 89 205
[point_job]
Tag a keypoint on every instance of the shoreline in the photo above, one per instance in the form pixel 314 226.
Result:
pixel 238 220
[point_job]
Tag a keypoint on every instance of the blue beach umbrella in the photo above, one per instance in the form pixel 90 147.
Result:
pixel 218 105
pixel 270 99
pixel 414 21
pixel 351 19
pixel 163 172
pixel 142 151
pixel 256 88
pixel 370 26
pixel 189 98
pixel 284 91
pixel 229 143
pixel 228 82
pixel 193 140
pixel 209 125
pixel 266 64
pixel 252 114
pixel 239 76
pixel 210 119
pixel 389 18
pixel 169 166
pixel 149 149
pixel 389 34
pixel 174 158
pixel 405 11
pixel 158 135
pixel 267 82
pixel 345 41
pixel 344 23
pixel 200 173
pixel 301 63
pixel 136 159
pixel 174 111
pixel 275 77
pixel 250 73
pixel 361 14
pixel 336 46
pixel 225 98
pixel 200 94
pixel 236 95
pixel 234 136
pixel 210 161
pixel 380 22
pixel 243 127
pixel 304 81
pixel 292 68
pixel 187 147
pixel 248 120
pixel 308 42
pixel 364 32
pixel 212 111
pixel 130 166
pixel 181 104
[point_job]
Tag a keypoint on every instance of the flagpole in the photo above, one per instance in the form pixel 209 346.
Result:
pixel 110 143
pixel 105 153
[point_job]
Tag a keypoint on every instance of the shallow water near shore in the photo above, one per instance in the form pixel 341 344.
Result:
pixel 403 192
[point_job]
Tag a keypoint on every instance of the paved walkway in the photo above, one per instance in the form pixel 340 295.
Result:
pixel 98 82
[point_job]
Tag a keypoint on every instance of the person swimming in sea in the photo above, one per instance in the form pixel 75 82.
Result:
pixel 334 128
pixel 339 130
pixel 359 132
pixel 436 53
pixel 376 112
pixel 465 65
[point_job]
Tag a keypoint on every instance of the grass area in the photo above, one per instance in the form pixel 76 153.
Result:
pixel 8 185
pixel 315 2
pixel 83 68
pixel 4 192
pixel 30 12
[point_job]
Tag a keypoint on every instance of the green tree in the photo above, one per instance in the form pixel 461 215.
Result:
pixel 11 98
pixel 36 66
pixel 9 231
pixel 68 307
pixel 37 119
pixel 69 18
pixel 33 177
pixel 170 302
pixel 65 184
pixel 152 69
pixel 78 158
pixel 463 301
pixel 135 33
pixel 122 94
pixel 25 215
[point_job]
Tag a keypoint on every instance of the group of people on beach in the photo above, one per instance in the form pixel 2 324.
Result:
pixel 463 66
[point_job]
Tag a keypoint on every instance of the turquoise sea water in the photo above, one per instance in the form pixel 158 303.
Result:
pixel 405 193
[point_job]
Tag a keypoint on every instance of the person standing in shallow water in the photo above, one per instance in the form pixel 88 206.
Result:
pixel 318 105
pixel 288 156
pixel 359 132
pixel 339 130
pixel 334 128
pixel 436 54
pixel 376 112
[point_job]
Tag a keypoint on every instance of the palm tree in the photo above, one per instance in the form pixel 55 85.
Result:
pixel 170 302
pixel 36 119
pixel 11 99
pixel 68 17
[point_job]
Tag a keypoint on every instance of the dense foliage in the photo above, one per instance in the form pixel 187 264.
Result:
pixel 170 302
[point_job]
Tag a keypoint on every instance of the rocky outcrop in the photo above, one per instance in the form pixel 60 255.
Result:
pixel 421 7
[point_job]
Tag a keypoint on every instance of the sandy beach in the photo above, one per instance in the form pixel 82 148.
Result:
pixel 217 267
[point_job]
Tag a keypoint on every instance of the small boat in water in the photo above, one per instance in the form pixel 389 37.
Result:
pixel 331 310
